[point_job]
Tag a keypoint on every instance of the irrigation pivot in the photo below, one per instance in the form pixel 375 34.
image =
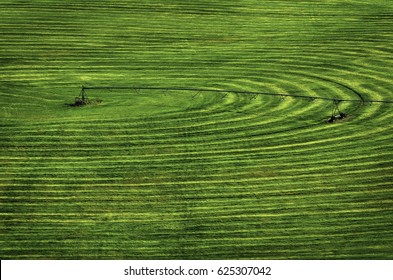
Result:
pixel 82 99
pixel 337 114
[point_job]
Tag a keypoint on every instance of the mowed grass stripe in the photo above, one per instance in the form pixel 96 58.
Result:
pixel 222 210
pixel 113 171
pixel 270 147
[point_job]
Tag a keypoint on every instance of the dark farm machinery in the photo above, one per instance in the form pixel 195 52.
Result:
pixel 337 114
pixel 83 99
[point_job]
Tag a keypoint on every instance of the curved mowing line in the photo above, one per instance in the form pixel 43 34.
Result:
pixel 228 156
pixel 316 144
pixel 307 97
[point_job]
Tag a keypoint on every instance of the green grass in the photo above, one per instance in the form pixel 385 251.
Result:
pixel 170 175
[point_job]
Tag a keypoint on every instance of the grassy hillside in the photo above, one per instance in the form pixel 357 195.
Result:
pixel 157 174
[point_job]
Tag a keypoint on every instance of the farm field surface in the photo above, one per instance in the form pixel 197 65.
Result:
pixel 187 174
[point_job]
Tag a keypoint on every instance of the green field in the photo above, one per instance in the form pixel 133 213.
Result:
pixel 156 174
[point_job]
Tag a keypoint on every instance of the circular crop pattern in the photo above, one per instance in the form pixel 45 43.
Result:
pixel 205 145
